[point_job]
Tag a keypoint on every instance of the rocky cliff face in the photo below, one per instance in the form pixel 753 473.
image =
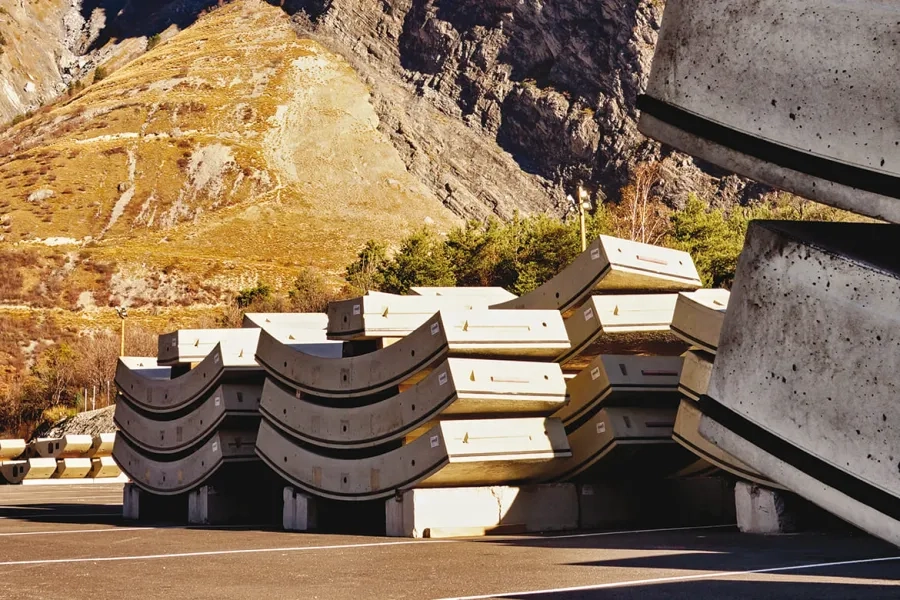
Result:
pixel 517 98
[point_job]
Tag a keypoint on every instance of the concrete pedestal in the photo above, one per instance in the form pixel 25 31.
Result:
pixel 131 502
pixel 454 512
pixel 208 505
pixel 299 511
pixel 762 510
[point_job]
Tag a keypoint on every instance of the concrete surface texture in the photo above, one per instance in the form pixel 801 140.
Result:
pixel 450 454
pixel 187 346
pixel 67 446
pixel 612 265
pixel 280 321
pixel 65 532
pixel 698 317
pixel 146 367
pixel 494 295
pixel 621 324
pixel 622 380
pixel 812 312
pixel 17 471
pixel 102 444
pixel 10 449
pixel 186 429
pixel 780 102
pixel 171 395
pixel 455 388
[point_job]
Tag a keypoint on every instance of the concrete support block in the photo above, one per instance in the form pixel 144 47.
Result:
pixel 450 512
pixel 299 512
pixel 131 502
pixel 762 510
pixel 209 505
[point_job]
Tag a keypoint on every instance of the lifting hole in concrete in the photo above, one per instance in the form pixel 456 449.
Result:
pixel 414 407
pixel 413 352
pixel 413 462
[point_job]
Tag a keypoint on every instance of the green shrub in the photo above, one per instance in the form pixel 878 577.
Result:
pixel 153 41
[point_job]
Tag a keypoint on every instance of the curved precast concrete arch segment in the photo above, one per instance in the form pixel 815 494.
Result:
pixel 808 359
pixel 387 315
pixel 273 322
pixel 173 395
pixel 612 265
pixel 620 441
pixel 187 346
pixel 687 433
pixel 536 334
pixel 355 376
pixel 168 478
pixel 622 380
pixel 451 454
pixel 695 374
pixel 146 367
pixel 185 431
pixel 456 388
pixel 699 316
pixel 627 324
pixel 786 102
pixel 491 294
pixel 10 449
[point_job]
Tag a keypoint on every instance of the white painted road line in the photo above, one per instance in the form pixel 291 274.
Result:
pixel 257 527
pixel 78 531
pixel 54 515
pixel 677 579
pixel 56 561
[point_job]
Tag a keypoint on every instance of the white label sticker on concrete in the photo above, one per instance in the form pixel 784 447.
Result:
pixel 588 314
pixel 595 373
pixel 442 378
pixel 356 309
pixel 218 401
pixel 435 440
pixel 601 427
pixel 215 446
pixel 595 253
pixel 435 328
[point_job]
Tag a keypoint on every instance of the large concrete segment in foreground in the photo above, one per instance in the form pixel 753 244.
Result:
pixel 621 324
pixel 173 435
pixel 170 477
pixel 172 395
pixel 806 370
pixel 622 380
pixel 481 333
pixel 450 454
pixel 455 388
pixel 804 98
pixel 612 265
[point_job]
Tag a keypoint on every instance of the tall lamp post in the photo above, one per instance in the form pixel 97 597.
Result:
pixel 123 314
pixel 583 204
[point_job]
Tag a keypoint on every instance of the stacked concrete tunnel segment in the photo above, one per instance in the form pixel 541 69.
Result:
pixel 814 311
pixel 774 94
pixel 69 456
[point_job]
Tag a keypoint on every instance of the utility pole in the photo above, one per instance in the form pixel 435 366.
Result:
pixel 583 203
pixel 123 314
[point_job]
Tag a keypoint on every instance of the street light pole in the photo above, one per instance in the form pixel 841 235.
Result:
pixel 123 314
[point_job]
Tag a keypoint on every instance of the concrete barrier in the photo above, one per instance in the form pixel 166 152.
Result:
pixel 450 454
pixel 16 471
pixel 67 446
pixel 612 265
pixel 390 316
pixel 11 449
pixel 622 380
pixel 172 395
pixel 698 317
pixel 156 436
pixel 167 478
pixel 779 103
pixel 630 324
pixel 72 468
pixel 104 467
pixel 102 444
pixel 455 388
pixel 456 512
pixel 481 333
pixel 493 295
pixel 804 387
pixel 273 322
